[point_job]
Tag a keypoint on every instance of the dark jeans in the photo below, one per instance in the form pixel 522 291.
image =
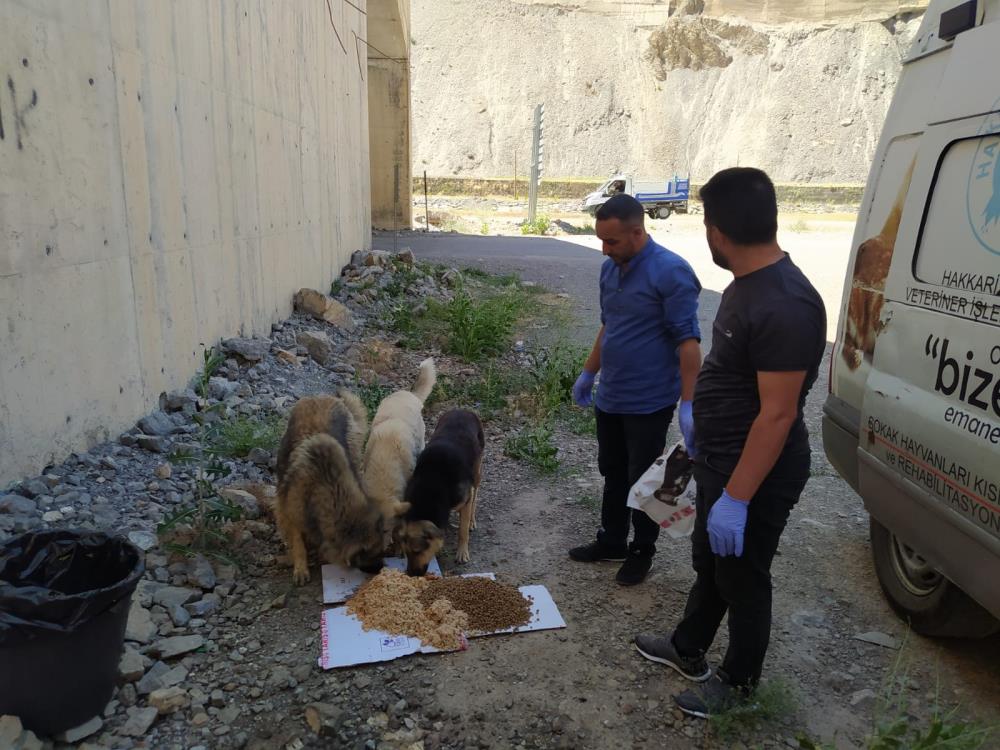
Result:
pixel 627 445
pixel 739 585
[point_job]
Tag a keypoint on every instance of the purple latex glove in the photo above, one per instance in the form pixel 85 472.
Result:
pixel 726 521
pixel 583 389
pixel 685 419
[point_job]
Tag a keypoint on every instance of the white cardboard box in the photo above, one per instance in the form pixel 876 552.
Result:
pixel 345 643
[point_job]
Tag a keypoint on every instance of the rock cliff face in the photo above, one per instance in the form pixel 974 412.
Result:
pixel 690 86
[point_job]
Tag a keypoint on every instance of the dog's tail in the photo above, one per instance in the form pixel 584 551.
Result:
pixel 426 379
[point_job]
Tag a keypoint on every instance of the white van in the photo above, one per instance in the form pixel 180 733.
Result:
pixel 913 416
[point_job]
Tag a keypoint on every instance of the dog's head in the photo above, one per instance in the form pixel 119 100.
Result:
pixel 366 551
pixel 419 541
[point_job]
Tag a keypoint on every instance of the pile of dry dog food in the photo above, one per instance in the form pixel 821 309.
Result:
pixel 438 611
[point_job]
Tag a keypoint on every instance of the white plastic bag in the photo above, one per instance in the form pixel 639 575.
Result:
pixel 675 518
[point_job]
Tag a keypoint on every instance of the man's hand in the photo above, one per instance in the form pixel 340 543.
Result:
pixel 685 419
pixel 726 522
pixel 583 389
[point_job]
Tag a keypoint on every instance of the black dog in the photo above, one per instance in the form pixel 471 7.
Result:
pixel 446 478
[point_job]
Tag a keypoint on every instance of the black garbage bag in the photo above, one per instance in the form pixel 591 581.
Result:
pixel 56 580
pixel 64 601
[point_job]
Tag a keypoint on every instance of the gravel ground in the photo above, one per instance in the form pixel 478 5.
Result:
pixel 220 656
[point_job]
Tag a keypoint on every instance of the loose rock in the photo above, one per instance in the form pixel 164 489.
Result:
pixel 140 627
pixel 168 700
pixel 130 666
pixel 81 732
pixel 156 423
pixel 168 648
pixel 251 350
pixel 318 345
pixel 139 722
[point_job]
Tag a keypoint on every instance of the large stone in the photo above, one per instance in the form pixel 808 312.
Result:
pixel 10 730
pixel 169 648
pixel 168 700
pixel 174 596
pixel 321 307
pixel 317 343
pixel 131 666
pixel 324 718
pixel 406 256
pixel 175 676
pixel 139 722
pixel 33 488
pixel 140 627
pixel 17 505
pixel 246 501
pixel 152 443
pixel 153 679
pixel 206 606
pixel 178 400
pixel 251 350
pixel 222 389
pixel 157 423
pixel 201 574
pixel 82 732
pixel 144 540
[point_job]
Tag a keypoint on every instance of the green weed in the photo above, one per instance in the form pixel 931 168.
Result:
pixel 772 700
pixel 579 421
pixel 484 229
pixel 800 226
pixel 555 371
pixel 534 445
pixel 371 395
pixel 336 288
pixel 540 225
pixel 199 526
pixel 479 328
pixel 235 438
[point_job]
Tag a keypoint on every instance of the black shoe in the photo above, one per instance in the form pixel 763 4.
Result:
pixel 660 648
pixel 635 569
pixel 714 697
pixel 597 552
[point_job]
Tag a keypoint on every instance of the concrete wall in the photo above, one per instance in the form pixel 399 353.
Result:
pixel 170 173
pixel 389 112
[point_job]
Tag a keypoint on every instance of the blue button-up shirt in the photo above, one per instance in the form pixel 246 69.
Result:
pixel 647 311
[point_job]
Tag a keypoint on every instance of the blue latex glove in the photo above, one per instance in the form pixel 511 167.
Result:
pixel 583 389
pixel 726 521
pixel 685 418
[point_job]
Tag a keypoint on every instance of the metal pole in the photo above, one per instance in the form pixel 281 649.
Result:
pixel 427 214
pixel 395 211
pixel 515 175
pixel 533 184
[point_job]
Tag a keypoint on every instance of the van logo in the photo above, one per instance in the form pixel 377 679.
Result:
pixel 983 195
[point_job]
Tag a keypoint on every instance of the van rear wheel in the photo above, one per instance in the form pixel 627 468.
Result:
pixel 663 212
pixel 921 596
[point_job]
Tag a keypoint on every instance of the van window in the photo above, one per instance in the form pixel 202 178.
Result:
pixel 959 244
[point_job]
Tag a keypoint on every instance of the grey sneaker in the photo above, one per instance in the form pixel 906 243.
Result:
pixel 714 697
pixel 660 648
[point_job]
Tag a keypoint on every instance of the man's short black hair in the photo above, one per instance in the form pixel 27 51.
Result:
pixel 623 207
pixel 740 202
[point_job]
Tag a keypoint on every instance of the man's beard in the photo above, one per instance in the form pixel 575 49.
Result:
pixel 718 258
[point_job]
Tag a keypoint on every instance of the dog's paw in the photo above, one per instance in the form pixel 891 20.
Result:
pixel 472 523
pixel 300 576
pixel 462 555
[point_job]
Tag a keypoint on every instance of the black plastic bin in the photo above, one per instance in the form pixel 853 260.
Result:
pixel 64 603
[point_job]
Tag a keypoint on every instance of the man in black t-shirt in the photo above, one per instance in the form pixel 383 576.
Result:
pixel 752 446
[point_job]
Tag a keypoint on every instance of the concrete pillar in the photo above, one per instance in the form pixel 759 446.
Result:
pixel 389 113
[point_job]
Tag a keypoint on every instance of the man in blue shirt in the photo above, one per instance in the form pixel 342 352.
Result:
pixel 648 354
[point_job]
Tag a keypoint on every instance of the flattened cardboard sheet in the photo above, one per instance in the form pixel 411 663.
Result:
pixel 345 643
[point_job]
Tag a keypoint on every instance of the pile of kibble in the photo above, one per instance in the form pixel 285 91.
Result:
pixel 390 602
pixel 490 605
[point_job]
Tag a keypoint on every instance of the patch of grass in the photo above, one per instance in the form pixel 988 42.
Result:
pixel 484 229
pixel 490 391
pixel 336 287
pixel 480 328
pixel 579 421
pixel 589 500
pixel 371 395
pixel 235 438
pixel 535 446
pixel 800 226
pixel 540 225
pixel 772 700
pixel 555 371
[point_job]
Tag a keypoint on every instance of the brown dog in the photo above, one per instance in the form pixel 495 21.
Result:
pixel 446 478
pixel 320 503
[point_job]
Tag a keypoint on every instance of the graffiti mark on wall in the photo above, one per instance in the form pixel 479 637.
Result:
pixel 18 115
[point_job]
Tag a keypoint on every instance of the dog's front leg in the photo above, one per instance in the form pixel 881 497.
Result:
pixel 464 521
pixel 300 560
pixel 472 502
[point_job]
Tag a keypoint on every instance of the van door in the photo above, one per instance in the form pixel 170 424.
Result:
pixel 928 465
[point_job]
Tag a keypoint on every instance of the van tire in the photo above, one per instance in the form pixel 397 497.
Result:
pixel 663 212
pixel 944 610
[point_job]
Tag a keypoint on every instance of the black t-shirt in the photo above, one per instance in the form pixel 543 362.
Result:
pixel 771 320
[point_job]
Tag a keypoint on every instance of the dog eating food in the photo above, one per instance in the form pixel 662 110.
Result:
pixel 438 611
pixel 391 602
pixel 489 605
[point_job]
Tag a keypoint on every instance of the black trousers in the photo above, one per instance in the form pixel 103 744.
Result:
pixel 627 445
pixel 741 585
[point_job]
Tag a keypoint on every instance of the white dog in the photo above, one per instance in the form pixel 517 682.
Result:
pixel 397 438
